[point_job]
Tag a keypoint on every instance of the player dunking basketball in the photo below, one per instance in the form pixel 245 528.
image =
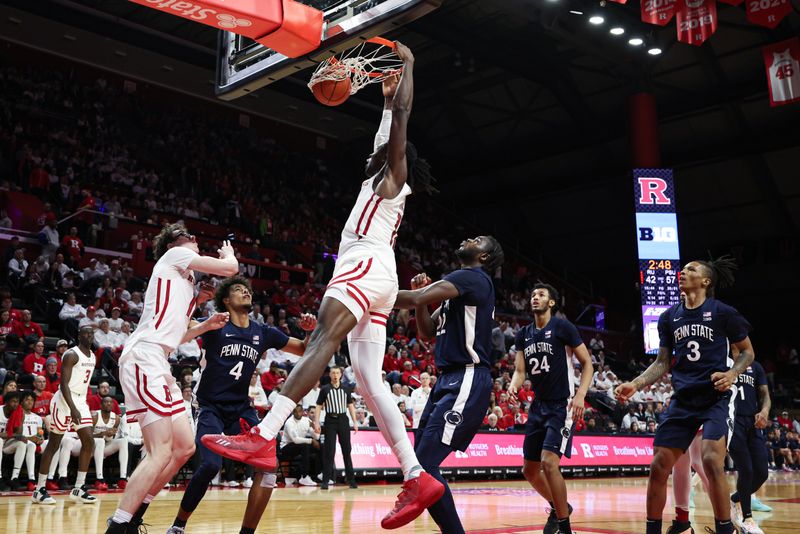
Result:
pixel 543 357
pixel 357 302
pixel 463 329
pixel 151 394
pixel 229 360
pixel 700 331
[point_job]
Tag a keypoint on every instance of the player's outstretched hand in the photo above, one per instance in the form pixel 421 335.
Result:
pixel 218 320
pixel 308 322
pixel 420 281
pixel 577 406
pixel 390 86
pixel 226 250
pixel 624 391
pixel 723 381
pixel 403 52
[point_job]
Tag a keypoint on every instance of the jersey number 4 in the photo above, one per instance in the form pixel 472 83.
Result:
pixel 536 368
pixel 236 372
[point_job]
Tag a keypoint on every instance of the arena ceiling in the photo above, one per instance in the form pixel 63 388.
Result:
pixel 522 108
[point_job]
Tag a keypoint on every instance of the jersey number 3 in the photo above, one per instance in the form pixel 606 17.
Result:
pixel 236 372
pixel 536 368
pixel 694 348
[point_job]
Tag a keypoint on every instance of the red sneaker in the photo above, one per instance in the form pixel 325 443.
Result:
pixel 99 485
pixel 122 483
pixel 51 485
pixel 31 485
pixel 417 495
pixel 249 448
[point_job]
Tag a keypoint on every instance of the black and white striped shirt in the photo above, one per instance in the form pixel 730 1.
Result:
pixel 335 400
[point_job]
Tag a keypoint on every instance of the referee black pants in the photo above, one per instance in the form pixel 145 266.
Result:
pixel 336 427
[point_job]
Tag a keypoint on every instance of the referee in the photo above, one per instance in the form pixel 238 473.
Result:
pixel 337 400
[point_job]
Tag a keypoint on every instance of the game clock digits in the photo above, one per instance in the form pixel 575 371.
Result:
pixel 659 254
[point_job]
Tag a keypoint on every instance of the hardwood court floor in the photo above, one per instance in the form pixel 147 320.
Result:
pixel 602 506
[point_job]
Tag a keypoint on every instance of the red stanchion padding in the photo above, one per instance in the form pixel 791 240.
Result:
pixel 251 18
pixel 300 32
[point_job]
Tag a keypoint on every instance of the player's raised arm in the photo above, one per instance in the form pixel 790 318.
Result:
pixel 397 173
pixel 225 265
pixel 422 295
pixel 389 89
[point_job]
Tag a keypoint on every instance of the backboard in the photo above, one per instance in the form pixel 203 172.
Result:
pixel 244 65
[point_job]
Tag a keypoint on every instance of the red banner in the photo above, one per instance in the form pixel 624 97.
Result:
pixel 620 1
pixel 696 20
pixel 501 449
pixel 782 61
pixel 767 13
pixel 658 12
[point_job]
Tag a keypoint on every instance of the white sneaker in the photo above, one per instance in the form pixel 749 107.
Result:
pixel 306 481
pixel 248 483
pixel 82 495
pixel 289 481
pixel 736 514
pixel 176 530
pixel 749 526
pixel 215 481
pixel 233 484
pixel 331 483
pixel 40 496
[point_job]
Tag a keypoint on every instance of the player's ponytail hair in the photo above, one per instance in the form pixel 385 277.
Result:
pixel 420 179
pixel 169 234
pixel 496 256
pixel 720 271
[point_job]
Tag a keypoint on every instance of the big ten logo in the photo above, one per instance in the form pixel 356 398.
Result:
pixel 653 191
pixel 198 12
pixel 658 234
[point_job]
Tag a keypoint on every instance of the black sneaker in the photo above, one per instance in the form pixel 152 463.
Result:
pixel 63 484
pixel 136 526
pixel 324 486
pixel 3 485
pixel 680 527
pixel 353 485
pixel 551 527
pixel 16 485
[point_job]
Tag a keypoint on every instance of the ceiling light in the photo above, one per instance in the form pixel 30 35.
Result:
pixel 616 31
pixel 654 51
pixel 574 12
pixel 596 19
pixel 636 41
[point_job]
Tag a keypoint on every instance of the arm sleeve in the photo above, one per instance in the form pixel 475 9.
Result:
pixel 736 327
pixel 274 338
pixel 180 257
pixel 570 335
pixel 664 335
pixel 467 282
pixel 382 136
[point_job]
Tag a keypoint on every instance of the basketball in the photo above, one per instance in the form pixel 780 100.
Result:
pixel 332 92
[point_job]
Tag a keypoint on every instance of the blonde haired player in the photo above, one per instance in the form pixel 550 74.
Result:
pixel 151 394
pixel 69 410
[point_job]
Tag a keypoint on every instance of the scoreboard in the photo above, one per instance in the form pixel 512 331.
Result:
pixel 659 253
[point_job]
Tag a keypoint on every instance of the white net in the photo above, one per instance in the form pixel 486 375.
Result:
pixel 370 62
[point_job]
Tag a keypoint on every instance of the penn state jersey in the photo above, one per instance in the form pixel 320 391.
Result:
pixel 700 339
pixel 230 357
pixel 747 390
pixel 547 364
pixel 464 327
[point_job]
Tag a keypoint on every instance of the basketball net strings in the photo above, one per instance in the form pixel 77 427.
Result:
pixel 362 68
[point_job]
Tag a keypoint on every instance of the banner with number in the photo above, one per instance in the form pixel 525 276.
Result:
pixel 696 20
pixel 782 61
pixel 768 13
pixel 658 12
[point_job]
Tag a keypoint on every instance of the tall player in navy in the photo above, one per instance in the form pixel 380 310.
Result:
pixel 463 329
pixel 700 332
pixel 748 447
pixel 230 358
pixel 544 356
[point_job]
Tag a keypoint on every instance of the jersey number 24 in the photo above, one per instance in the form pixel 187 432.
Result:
pixel 536 368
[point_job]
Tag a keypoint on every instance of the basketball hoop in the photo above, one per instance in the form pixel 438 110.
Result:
pixel 372 61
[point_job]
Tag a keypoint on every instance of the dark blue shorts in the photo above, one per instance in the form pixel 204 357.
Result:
pixel 221 419
pixel 456 407
pixel 549 428
pixel 682 422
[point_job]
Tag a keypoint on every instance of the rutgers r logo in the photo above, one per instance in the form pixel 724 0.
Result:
pixel 653 191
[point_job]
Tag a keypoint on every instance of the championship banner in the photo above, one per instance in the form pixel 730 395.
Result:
pixel 503 449
pixel 696 20
pixel 782 61
pixel 658 12
pixel 659 253
pixel 767 13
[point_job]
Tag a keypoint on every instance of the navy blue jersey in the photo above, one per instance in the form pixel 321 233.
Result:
pixel 464 329
pixel 547 363
pixel 230 358
pixel 700 339
pixel 747 390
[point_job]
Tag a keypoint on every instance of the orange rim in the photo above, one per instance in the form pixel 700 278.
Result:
pixel 378 41
pixel 382 41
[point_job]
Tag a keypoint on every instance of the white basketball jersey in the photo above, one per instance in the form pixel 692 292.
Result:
pixel 81 373
pixel 373 222
pixel 3 423
pixel 31 423
pixel 103 426
pixel 169 301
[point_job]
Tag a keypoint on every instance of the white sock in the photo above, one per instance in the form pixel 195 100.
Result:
pixel 277 416
pixel 148 499
pixel 414 472
pixel 80 480
pixel 121 516
pixel 15 472
pixel 42 481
